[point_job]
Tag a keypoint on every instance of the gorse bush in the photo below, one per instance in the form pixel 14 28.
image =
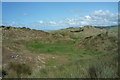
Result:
pixel 20 69
pixel 23 27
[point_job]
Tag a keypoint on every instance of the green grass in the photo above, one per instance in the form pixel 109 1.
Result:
pixel 52 62
pixel 51 47
pixel 67 50
pixel 78 67
pixel 99 67
pixel 58 48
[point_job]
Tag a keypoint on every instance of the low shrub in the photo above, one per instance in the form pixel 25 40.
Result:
pixel 20 69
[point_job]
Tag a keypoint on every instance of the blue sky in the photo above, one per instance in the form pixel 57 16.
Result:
pixel 57 15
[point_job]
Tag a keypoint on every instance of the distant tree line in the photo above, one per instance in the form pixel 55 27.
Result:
pixel 8 27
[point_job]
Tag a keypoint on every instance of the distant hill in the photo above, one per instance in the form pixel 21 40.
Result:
pixel 106 27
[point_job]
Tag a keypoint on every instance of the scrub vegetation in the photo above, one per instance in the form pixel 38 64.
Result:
pixel 82 52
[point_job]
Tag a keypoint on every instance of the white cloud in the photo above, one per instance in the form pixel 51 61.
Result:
pixel 13 23
pixel 96 18
pixel 84 23
pixel 52 22
pixel 40 22
pixel 87 17
pixel 101 17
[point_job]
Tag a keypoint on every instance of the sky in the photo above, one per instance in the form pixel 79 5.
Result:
pixel 60 0
pixel 58 15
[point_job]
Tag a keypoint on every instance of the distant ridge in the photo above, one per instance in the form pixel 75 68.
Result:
pixel 106 27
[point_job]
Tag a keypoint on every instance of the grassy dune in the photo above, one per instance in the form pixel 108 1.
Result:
pixel 86 52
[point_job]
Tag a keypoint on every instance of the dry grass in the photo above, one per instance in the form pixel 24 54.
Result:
pixel 79 63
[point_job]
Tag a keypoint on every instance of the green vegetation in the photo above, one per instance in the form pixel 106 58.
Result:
pixel 57 48
pixel 94 68
pixel 52 48
pixel 86 52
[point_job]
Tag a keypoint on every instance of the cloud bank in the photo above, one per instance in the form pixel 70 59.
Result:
pixel 96 18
